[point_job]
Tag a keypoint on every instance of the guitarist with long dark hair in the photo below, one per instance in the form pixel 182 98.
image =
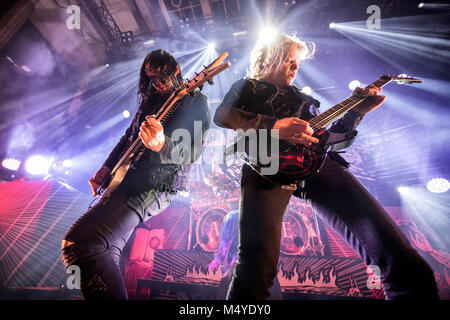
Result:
pixel 267 99
pixel 95 242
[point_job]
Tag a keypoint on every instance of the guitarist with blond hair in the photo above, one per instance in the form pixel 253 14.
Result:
pixel 267 99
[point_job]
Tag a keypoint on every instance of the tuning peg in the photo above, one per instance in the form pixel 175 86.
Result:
pixel 192 93
pixel 210 81
pixel 200 87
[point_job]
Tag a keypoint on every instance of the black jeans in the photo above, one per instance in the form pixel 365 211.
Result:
pixel 344 204
pixel 95 242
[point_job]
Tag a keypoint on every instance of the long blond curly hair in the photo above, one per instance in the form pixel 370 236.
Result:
pixel 268 57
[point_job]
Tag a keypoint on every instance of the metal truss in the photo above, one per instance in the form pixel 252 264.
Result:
pixel 102 20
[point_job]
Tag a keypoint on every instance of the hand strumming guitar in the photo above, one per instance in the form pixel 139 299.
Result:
pixel 152 134
pixel 295 130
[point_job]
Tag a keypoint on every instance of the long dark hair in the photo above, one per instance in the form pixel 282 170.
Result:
pixel 158 59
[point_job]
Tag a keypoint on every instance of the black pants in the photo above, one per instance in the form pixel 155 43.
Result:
pixel 344 204
pixel 95 242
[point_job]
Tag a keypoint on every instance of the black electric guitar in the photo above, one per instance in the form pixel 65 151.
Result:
pixel 136 150
pixel 298 162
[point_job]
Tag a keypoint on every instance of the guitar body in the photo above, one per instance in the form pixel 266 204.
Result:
pixel 116 178
pixel 301 164
pixel 298 162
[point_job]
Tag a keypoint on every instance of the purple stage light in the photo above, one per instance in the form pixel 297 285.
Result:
pixel 354 84
pixel 126 114
pixel 403 190
pixel 211 46
pixel 11 164
pixel 438 185
pixel 307 90
pixel 38 165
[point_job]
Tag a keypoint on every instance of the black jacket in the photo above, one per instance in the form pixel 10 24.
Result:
pixel 157 170
pixel 252 104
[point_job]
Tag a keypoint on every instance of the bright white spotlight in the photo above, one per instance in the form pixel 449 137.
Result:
pixel 267 35
pixel 38 165
pixel 354 84
pixel 332 25
pixel 403 190
pixel 126 114
pixel 67 163
pixel 438 185
pixel 240 33
pixel 11 164
pixel 420 5
pixel 307 90
pixel 211 46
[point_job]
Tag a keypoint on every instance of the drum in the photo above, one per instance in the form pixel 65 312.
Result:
pixel 294 234
pixel 208 229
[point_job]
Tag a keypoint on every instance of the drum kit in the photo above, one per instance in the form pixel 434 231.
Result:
pixel 217 194
pixel 211 200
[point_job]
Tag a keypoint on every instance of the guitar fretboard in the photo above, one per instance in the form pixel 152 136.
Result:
pixel 335 112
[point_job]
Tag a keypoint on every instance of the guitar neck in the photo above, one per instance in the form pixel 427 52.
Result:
pixel 169 107
pixel 342 107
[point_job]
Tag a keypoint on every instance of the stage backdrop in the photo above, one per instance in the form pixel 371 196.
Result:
pixel 177 245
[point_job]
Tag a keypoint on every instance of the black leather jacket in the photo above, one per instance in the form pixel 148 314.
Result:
pixel 252 104
pixel 157 170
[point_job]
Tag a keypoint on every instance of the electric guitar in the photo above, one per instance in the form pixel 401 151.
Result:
pixel 298 162
pixel 135 151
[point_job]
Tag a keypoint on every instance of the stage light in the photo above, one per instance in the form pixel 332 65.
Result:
pixel 240 33
pixel 420 5
pixel 306 90
pixel 126 114
pixel 332 25
pixel 67 163
pixel 26 68
pixel 354 84
pixel 11 164
pixel 438 185
pixel 38 165
pixel 267 35
pixel 403 190
pixel 211 46
pixel 107 65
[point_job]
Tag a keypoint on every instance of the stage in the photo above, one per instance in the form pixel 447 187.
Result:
pixel 71 79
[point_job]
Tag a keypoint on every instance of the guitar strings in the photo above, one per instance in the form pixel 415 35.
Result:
pixel 320 122
pixel 137 144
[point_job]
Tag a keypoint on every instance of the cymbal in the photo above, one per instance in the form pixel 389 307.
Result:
pixel 216 179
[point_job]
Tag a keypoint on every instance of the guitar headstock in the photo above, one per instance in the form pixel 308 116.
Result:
pixel 401 79
pixel 206 75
